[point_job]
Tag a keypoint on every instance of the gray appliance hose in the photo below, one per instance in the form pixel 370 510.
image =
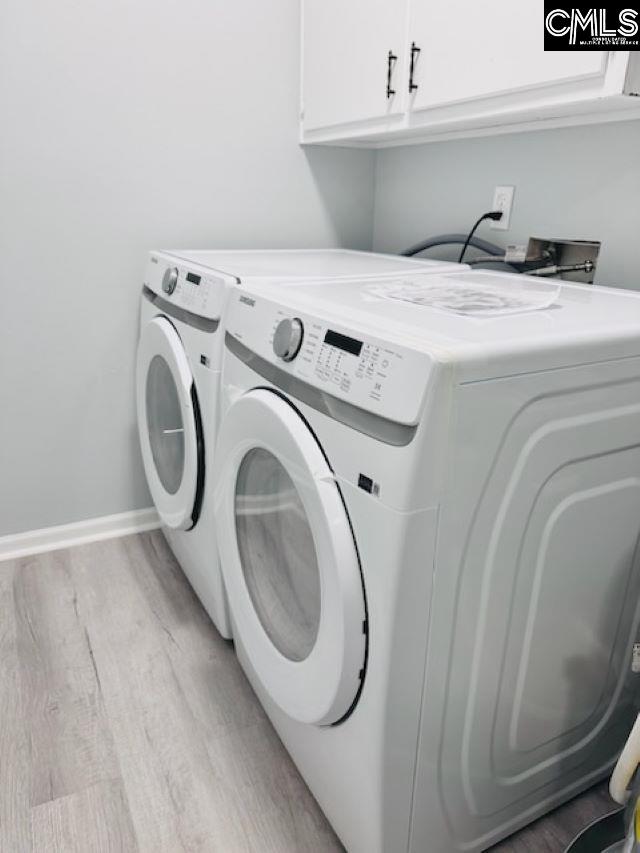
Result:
pixel 453 239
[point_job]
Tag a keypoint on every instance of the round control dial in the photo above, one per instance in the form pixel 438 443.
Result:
pixel 287 338
pixel 170 280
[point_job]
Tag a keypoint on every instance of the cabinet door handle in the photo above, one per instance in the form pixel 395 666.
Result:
pixel 415 50
pixel 391 62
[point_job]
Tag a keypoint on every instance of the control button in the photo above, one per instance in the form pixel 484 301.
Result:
pixel 169 280
pixel 287 338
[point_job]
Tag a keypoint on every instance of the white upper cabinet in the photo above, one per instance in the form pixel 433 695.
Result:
pixel 385 72
pixel 354 54
pixel 471 50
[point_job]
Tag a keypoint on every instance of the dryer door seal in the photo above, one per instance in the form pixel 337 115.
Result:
pixel 167 424
pixel 289 560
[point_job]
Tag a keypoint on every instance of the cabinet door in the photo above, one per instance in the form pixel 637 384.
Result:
pixel 345 60
pixel 470 51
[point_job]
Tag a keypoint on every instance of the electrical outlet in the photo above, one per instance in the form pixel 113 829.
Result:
pixel 502 200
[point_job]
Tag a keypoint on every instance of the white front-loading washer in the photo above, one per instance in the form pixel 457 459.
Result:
pixel 428 520
pixel 179 362
pixel 177 400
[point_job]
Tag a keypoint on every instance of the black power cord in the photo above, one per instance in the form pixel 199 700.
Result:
pixel 496 215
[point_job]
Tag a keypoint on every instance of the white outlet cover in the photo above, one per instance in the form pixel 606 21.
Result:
pixel 503 200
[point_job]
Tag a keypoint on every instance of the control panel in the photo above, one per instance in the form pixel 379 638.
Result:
pixel 362 369
pixel 341 361
pixel 194 289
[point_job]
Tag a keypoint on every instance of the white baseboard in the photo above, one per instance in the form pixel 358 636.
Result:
pixel 77 533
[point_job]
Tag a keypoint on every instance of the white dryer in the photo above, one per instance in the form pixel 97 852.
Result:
pixel 179 359
pixel 428 520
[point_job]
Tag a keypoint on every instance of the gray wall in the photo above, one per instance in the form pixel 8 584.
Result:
pixel 575 183
pixel 127 126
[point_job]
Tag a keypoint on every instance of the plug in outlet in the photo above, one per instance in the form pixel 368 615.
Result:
pixel 503 200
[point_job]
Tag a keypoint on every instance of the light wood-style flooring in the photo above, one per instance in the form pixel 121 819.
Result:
pixel 126 723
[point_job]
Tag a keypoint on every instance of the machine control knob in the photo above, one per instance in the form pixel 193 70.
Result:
pixel 170 280
pixel 287 339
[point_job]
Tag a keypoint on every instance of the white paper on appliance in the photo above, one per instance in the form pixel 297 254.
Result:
pixel 469 295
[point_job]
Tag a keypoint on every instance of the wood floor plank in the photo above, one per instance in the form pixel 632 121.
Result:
pixel 165 767
pixel 70 743
pixel 15 832
pixel 96 820
pixel 205 664
pixel 245 753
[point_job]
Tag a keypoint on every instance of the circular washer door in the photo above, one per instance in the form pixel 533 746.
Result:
pixel 289 560
pixel 167 424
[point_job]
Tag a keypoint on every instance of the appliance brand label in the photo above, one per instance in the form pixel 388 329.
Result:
pixel 247 300
pixel 615 25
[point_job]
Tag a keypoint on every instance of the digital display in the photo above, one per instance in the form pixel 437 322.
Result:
pixel 350 345
pixel 192 278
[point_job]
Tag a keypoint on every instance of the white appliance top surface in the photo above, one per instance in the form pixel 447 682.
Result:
pixel 305 263
pixel 568 313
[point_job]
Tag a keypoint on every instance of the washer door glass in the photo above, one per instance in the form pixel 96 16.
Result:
pixel 169 425
pixel 289 559
pixel 166 428
pixel 277 554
